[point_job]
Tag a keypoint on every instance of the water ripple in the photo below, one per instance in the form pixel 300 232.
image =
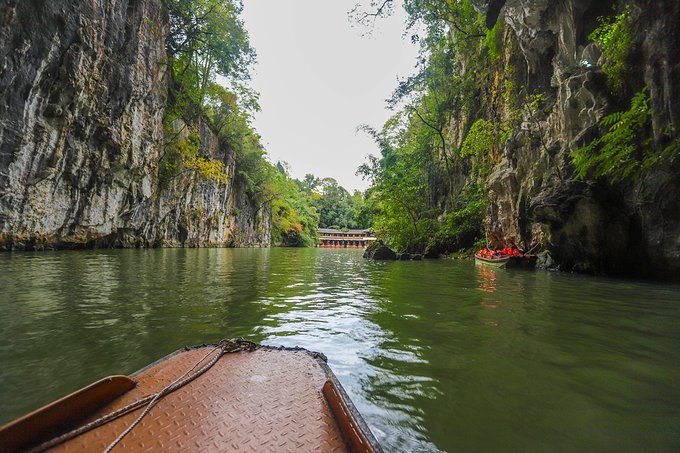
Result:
pixel 437 355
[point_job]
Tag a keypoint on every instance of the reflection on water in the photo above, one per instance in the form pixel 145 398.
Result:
pixel 437 355
pixel 487 284
pixel 486 278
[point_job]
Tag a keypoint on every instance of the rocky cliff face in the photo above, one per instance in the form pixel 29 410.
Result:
pixel 82 98
pixel 590 226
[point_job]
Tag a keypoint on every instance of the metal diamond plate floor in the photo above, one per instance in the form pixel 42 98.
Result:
pixel 265 400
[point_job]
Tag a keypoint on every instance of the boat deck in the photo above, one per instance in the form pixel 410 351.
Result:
pixel 264 400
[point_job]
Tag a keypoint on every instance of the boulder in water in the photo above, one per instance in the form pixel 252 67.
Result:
pixel 379 251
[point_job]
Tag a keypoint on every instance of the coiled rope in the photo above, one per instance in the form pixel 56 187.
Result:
pixel 224 347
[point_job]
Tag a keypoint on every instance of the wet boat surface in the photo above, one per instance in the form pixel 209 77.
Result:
pixel 266 399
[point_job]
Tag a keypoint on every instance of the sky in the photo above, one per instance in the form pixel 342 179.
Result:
pixel 319 79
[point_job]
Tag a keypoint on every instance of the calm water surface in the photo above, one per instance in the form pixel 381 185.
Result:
pixel 437 355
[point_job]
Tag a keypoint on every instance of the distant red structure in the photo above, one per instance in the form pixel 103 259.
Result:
pixel 356 239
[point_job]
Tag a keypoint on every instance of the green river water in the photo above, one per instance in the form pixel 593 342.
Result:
pixel 437 355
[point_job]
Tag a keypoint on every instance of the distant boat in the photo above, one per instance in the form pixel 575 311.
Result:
pixel 493 261
pixel 509 261
pixel 232 396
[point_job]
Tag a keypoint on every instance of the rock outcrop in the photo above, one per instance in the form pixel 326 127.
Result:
pixel 377 250
pixel 589 226
pixel 83 91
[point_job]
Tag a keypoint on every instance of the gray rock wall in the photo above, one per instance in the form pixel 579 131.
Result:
pixel 82 95
pixel 590 226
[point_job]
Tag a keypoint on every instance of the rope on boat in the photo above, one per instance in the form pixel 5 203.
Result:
pixel 224 347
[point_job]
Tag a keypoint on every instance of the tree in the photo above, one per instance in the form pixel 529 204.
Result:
pixel 333 206
pixel 400 192
pixel 206 38
pixel 309 184
pixel 415 198
pixel 294 221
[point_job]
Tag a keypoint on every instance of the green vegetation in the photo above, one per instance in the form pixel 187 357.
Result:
pixel 623 151
pixel 418 201
pixel 337 208
pixel 207 41
pixel 460 115
pixel 300 207
pixel 294 220
pixel 451 126
pixel 462 225
pixel 616 41
pixel 208 59
pixel 483 141
pixel 494 40
pixel 625 148
pixel 400 194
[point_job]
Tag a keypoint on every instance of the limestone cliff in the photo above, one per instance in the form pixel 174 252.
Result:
pixel 83 91
pixel 590 226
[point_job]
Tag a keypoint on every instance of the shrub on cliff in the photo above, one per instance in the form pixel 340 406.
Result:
pixel 616 41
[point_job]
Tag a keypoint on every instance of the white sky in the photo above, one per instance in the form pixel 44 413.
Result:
pixel 319 79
